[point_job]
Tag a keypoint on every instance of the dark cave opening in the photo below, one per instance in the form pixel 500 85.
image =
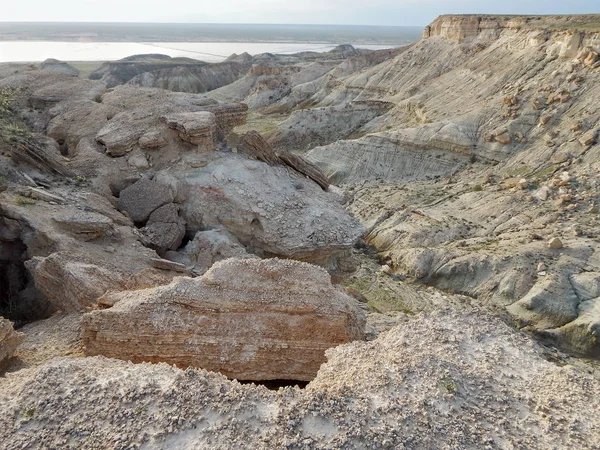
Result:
pixel 20 301
pixel 63 147
pixel 189 236
pixel 274 385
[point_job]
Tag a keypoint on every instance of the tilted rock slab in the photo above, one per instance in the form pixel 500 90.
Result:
pixel 253 145
pixel 9 340
pixel 41 153
pixel 248 319
pixel 70 284
pixel 73 281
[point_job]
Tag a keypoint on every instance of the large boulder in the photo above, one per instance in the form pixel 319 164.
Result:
pixel 143 197
pixel 269 209
pixel 198 128
pixel 74 280
pixel 211 246
pixel 451 379
pixel 9 340
pixel 165 229
pixel 84 225
pixel 248 319
pixel 70 284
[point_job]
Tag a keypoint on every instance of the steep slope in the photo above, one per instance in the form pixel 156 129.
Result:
pixel 486 150
pixel 113 73
pixel 192 78
pixel 507 124
pixel 484 96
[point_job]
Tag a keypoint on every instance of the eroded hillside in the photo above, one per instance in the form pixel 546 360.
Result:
pixel 412 236
pixel 484 153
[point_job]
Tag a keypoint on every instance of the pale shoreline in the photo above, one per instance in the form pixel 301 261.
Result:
pixel 37 51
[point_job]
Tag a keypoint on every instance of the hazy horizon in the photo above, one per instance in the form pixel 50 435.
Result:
pixel 188 32
pixel 76 41
pixel 276 12
pixel 207 23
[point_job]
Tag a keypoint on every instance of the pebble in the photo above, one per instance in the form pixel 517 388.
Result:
pixel 555 243
pixel 543 193
pixel 386 269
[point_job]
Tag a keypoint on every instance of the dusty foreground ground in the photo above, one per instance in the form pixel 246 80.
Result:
pixel 446 380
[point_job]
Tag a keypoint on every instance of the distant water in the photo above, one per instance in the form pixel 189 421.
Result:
pixel 206 32
pixel 208 42
pixel 107 51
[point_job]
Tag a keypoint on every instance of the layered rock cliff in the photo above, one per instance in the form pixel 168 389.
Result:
pixel 247 319
pixel 461 27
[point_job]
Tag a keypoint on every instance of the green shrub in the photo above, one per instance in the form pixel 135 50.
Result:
pixel 449 384
pixel 22 201
pixel 16 130
pixel 7 97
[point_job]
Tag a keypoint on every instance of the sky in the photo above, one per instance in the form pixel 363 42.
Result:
pixel 348 12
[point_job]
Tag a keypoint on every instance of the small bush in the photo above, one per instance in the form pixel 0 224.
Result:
pixel 7 96
pixel 449 384
pixel 477 188
pixel 23 201
pixel 16 130
pixel 29 413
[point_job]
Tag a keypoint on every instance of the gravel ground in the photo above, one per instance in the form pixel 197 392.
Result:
pixel 448 380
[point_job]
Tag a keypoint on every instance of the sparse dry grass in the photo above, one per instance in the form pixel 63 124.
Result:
pixel 263 124
pixel 380 295
pixel 85 67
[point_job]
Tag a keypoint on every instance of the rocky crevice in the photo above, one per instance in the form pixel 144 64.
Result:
pixel 20 301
